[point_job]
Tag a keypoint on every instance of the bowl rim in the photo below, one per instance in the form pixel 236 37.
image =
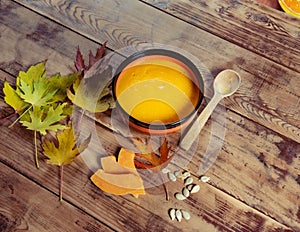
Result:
pixel 159 52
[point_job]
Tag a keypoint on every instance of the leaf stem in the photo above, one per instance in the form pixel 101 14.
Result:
pixel 10 126
pixel 165 187
pixel 36 151
pixel 61 182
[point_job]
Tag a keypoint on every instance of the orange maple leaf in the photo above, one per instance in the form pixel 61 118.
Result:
pixel 148 159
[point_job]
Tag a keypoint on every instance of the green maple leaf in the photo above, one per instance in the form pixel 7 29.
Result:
pixel 43 119
pixel 37 93
pixel 36 78
pixel 64 151
pixel 34 73
pixel 15 97
pixel 61 84
pixel 33 88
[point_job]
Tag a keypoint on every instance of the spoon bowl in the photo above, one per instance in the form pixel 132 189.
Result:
pixel 226 83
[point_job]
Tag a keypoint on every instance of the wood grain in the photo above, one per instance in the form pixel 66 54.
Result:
pixel 244 23
pixel 280 114
pixel 204 206
pixel 148 213
pixel 255 165
pixel 27 38
pixel 256 175
pixel 256 156
pixel 23 208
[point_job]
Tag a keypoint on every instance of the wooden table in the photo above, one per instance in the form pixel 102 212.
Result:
pixel 254 181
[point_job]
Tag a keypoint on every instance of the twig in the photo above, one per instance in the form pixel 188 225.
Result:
pixel 165 187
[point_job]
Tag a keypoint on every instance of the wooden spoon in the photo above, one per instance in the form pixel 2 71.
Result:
pixel 225 84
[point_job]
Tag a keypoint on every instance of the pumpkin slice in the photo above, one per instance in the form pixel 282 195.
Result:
pixel 110 165
pixel 126 159
pixel 120 177
pixel 118 184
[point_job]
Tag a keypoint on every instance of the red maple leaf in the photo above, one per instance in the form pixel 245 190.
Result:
pixel 79 61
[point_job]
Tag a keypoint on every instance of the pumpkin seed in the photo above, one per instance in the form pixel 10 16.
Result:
pixel 188 180
pixel 178 174
pixel 172 214
pixel 180 196
pixel 165 170
pixel 178 215
pixel 189 187
pixel 185 192
pixel 204 179
pixel 195 188
pixel 185 215
pixel 186 174
pixel 171 176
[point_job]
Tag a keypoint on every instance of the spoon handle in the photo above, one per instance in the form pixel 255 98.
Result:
pixel 195 129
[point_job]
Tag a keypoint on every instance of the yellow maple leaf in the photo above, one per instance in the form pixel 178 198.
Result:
pixel 64 150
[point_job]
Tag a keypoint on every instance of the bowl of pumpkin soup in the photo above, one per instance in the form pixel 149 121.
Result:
pixel 158 91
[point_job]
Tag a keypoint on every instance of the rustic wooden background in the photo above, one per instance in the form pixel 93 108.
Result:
pixel 255 181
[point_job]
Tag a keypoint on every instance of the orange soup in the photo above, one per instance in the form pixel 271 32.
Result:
pixel 157 91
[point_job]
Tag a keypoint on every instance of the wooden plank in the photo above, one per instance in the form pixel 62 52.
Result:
pixel 150 212
pixel 22 207
pixel 28 38
pixel 146 213
pixel 255 165
pixel 115 22
pixel 239 162
pixel 262 30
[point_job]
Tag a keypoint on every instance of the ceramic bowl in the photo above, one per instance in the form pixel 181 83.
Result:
pixel 157 91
